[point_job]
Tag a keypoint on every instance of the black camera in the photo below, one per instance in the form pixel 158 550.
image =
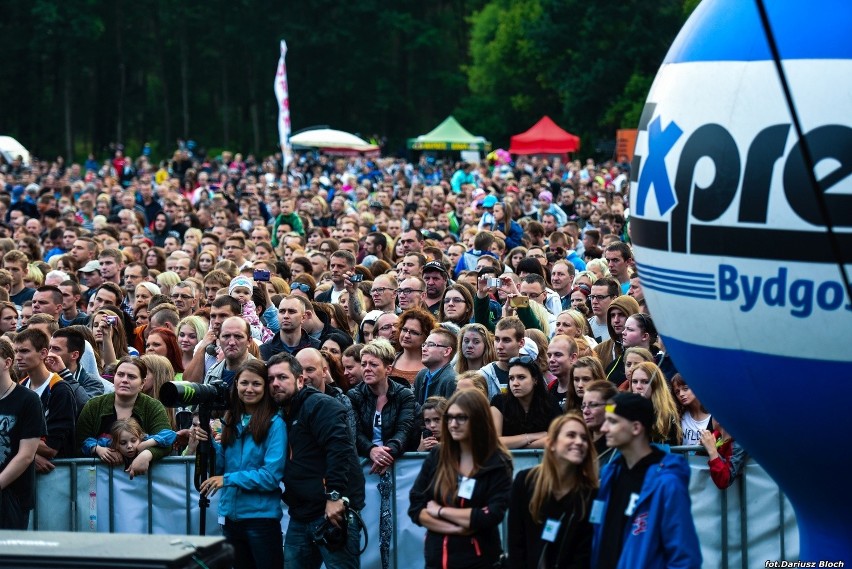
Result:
pixel 330 536
pixel 356 278
pixel 213 395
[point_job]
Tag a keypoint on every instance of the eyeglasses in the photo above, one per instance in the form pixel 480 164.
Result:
pixel 300 286
pixel 407 291
pixel 454 300
pixel 386 328
pixel 521 360
pixel 405 330
pixel 459 419
pixel 181 296
pixel 434 345
pixel 591 405
pixel 599 296
pixel 379 290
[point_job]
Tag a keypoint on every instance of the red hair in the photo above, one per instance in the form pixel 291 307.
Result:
pixel 170 340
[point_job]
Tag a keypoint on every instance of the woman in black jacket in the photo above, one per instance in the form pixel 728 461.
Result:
pixel 549 514
pixel 462 491
pixel 384 417
pixel 384 410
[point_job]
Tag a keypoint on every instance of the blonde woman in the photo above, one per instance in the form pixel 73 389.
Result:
pixel 587 278
pixel 144 292
pixel 160 371
pixel 190 331
pixel 166 281
pixel 562 489
pixel 573 324
pixel 649 382
pixel 598 267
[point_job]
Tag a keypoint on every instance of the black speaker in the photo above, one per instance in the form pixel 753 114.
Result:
pixel 52 549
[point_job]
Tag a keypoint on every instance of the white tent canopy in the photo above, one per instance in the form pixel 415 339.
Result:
pixel 11 149
pixel 332 140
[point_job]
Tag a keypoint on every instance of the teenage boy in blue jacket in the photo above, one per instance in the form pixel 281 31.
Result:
pixel 642 516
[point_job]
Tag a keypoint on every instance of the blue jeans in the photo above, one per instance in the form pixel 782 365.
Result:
pixel 300 551
pixel 257 543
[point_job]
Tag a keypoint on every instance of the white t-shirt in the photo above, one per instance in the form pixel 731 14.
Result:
pixel 691 429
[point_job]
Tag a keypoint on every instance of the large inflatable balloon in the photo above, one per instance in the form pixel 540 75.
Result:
pixel 741 214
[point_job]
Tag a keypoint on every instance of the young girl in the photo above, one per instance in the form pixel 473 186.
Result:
pixel 433 410
pixel 241 289
pixel 128 438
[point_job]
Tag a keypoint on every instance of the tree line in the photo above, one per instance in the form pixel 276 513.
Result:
pixel 80 74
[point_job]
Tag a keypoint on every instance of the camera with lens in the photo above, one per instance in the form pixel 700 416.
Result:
pixel 330 536
pixel 213 395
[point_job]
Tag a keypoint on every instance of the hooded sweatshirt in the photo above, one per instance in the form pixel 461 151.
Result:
pixel 661 532
pixel 610 351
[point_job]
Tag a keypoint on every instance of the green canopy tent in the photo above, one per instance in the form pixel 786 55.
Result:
pixel 449 135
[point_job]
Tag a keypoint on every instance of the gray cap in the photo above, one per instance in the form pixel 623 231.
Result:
pixel 91 267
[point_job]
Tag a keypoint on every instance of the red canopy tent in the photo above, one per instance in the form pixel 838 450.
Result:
pixel 544 137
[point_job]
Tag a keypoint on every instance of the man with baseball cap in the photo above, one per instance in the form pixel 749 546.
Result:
pixel 642 516
pixel 91 273
pixel 436 278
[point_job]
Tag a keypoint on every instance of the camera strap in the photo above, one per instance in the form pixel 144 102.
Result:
pixel 363 529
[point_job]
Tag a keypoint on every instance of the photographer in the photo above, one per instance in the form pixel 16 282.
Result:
pixel 249 466
pixel 322 473
pixel 234 338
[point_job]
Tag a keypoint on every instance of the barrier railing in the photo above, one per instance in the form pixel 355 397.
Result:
pixel 750 521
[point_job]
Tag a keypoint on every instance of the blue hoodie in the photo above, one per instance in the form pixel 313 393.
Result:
pixel 661 533
pixel 252 473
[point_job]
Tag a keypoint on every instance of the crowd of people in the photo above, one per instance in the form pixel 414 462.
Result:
pixel 354 310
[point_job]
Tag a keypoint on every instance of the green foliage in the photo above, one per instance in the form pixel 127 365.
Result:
pixel 586 64
pixel 156 70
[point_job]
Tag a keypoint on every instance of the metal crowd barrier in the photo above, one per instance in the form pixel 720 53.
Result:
pixel 744 525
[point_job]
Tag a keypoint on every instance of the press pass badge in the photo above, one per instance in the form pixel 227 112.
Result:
pixel 550 530
pixel 466 487
pixel 596 515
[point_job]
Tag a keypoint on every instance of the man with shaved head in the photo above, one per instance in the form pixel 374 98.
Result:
pixel 316 374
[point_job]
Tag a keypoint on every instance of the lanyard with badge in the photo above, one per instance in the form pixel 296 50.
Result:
pixel 550 534
pixel 466 486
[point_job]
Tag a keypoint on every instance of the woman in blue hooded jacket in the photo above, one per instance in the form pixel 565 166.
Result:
pixel 249 466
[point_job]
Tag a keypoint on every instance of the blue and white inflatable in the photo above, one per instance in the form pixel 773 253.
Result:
pixel 734 248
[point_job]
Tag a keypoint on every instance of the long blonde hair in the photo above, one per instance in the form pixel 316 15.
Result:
pixel 161 370
pixel 488 354
pixel 540 312
pixel 668 419
pixel 548 477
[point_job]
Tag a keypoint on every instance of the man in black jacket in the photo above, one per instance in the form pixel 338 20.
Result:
pixel 323 480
